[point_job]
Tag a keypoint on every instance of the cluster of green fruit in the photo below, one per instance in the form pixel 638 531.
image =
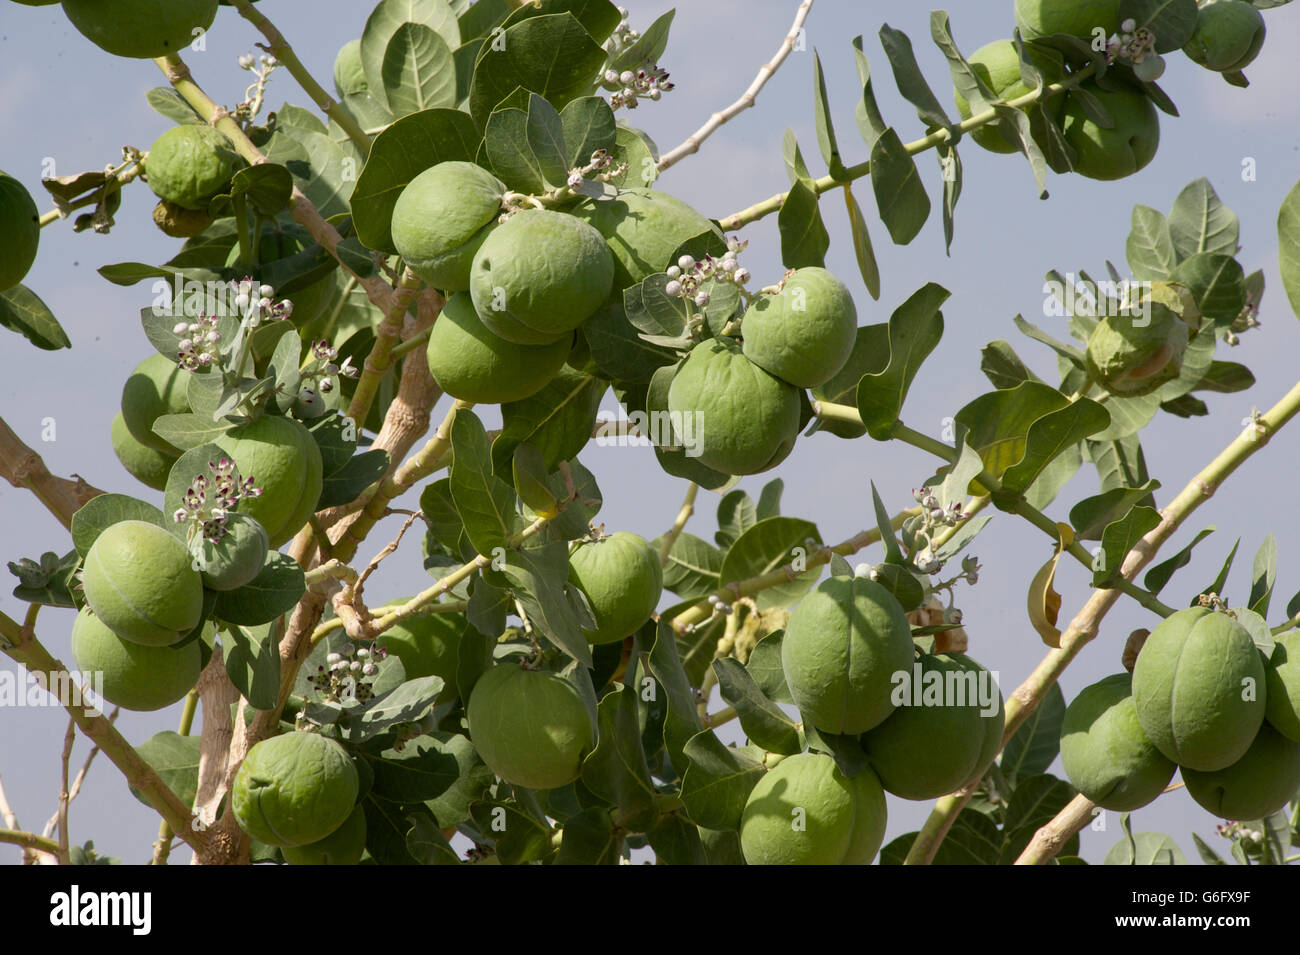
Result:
pixel 929 724
pixel 1201 698
pixel 1228 36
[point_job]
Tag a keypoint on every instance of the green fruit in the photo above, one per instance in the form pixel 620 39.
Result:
pixel 442 218
pixel 188 165
pixel 428 645
pixel 935 740
pixel 135 677
pixel 20 231
pixel 147 465
pixel 843 646
pixel 644 228
pixel 804 811
pixel 622 577
pixel 1263 781
pixel 155 388
pixel 237 558
pixel 349 75
pixel 284 462
pixel 294 789
pixel 1199 689
pixel 539 276
pixel 1137 353
pixel 998 65
pixel 1120 151
pixel 1080 18
pixel 531 727
pixel 1229 35
pixel 1282 677
pixel 179 222
pixel 471 363
pixel 138 580
pixel 803 334
pixel 1105 752
pixel 745 420
pixel 143 29
pixel 343 846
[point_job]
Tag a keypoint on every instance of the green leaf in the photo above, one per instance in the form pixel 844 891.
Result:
pixel 1263 576
pixel 348 482
pixel 189 430
pixel 175 759
pixel 768 546
pixel 1226 377
pixel 619 350
pixel 1037 742
pixel 399 154
pixel 1217 586
pixel 169 104
pixel 589 838
pixel 1150 246
pixel 973 840
pixel 1159 575
pixel 616 770
pixel 416 770
pixel 102 512
pixel 545 132
pixel 682 719
pixel 469 778
pixel 417 71
pixel 426 843
pixel 1034 802
pixel 717 781
pixel 336 439
pixel 388 18
pixel 485 502
pixel 866 111
pixel 804 239
pixel 517 836
pixel 1171 21
pixel 676 841
pixel 638 152
pixel 387 828
pixel 862 248
pixel 598 17
pixel 267 187
pixel 1144 848
pixel 647 48
pixel 539 579
pixel 914 330
pixel 48 581
pixel 999 423
pixel 588 125
pixel 900 195
pixel 22 311
pixel 252 659
pixel 765 667
pixel 763 721
pixel 1003 367
pixel 1208 855
pixel 1052 435
pixel 692 568
pixel 1119 463
pixel 652 310
pixel 406 704
pixel 1118 539
pixel 557 421
pixel 1288 241
pixel 513 161
pixel 324 170
pixel 1260 633
pixel 481 17
pixel 274 591
pixel 1200 222
pixel 826 140
pixel 910 80
pixel 1217 282
pixel 736 514
pixel 1090 517
pixel 553 56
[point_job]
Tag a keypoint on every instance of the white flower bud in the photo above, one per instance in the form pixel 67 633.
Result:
pixel 674 272
pixel 673 288
pixel 241 300
pixel 702 299
pixel 246 61
pixel 742 276
pixel 180 329
pixel 333 658
pixel 686 263
pixel 370 669
pixel 1129 25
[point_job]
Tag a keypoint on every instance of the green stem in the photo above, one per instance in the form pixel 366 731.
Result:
pixel 163 847
pixel 380 359
pixel 246 246
pixel 411 344
pixel 683 515
pixel 328 329
pixel 938 138
pixel 29 840
pixel 279 47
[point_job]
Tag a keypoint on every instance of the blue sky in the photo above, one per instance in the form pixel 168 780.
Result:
pixel 65 106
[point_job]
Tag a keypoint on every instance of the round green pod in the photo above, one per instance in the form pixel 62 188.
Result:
pixel 1079 18
pixel 1263 781
pixel 531 727
pixel 1106 753
pixel 843 646
pixel 188 165
pixel 294 789
pixel 427 645
pixel 998 65
pixel 139 581
pixel 1282 677
pixel 471 363
pixel 147 465
pixel 622 578
pixel 644 228
pixel 344 846
pixel 442 218
pixel 745 420
pixel 1229 35
pixel 284 462
pixel 1199 689
pixel 20 231
pixel 155 388
pixel 1130 359
pixel 349 74
pixel 539 275
pixel 804 811
pixel 804 333
pixel 1120 151
pixel 141 29
pixel 935 739
pixel 134 676
pixel 237 558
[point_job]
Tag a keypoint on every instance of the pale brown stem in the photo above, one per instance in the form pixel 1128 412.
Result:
pixel 23 467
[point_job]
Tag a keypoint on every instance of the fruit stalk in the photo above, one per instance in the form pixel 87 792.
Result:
pixel 747 99
pixel 1086 624
pixel 938 138
pixel 280 48
pixel 684 515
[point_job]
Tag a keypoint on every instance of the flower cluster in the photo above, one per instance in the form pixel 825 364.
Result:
pixel 601 165
pixel 687 277
pixel 200 343
pixel 346 675
pixel 255 303
pixel 320 375
pixel 628 87
pixel 255 95
pixel 1136 46
pixel 207 503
